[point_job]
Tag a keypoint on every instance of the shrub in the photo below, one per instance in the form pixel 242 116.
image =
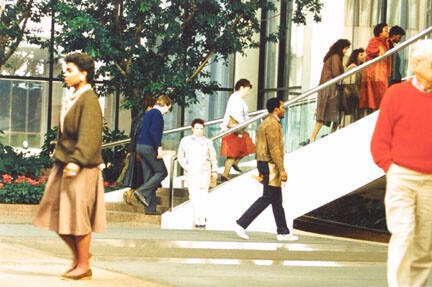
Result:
pixel 49 142
pixel 21 189
pixel 113 157
pixel 18 163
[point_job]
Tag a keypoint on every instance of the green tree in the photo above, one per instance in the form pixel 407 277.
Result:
pixel 14 25
pixel 152 47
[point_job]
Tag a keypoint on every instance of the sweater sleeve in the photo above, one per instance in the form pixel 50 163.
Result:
pixel 381 143
pixel 89 132
pixel 156 129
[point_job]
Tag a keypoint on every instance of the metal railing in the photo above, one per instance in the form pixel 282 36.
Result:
pixel 208 123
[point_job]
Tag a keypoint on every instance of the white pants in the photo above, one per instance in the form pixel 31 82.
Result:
pixel 408 204
pixel 199 198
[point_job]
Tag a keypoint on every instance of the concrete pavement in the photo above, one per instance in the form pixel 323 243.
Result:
pixel 153 257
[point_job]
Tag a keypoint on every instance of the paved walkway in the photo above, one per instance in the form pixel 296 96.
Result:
pixel 153 257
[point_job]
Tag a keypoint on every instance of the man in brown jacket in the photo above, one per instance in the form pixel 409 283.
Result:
pixel 270 159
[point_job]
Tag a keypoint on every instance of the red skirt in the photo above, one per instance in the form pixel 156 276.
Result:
pixel 235 146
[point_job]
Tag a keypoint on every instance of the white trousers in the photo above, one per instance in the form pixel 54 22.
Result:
pixel 408 204
pixel 199 198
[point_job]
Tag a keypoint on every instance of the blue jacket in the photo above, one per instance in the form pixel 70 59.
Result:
pixel 152 128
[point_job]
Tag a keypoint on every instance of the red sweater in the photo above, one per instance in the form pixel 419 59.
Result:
pixel 403 132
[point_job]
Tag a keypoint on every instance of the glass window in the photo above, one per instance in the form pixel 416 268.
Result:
pixel 23 112
pixel 413 14
pixel 429 14
pixel 271 63
pixel 394 15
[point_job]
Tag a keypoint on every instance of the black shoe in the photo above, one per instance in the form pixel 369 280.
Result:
pixel 200 225
pixel 303 143
pixel 236 167
pixel 224 178
pixel 152 213
pixel 140 198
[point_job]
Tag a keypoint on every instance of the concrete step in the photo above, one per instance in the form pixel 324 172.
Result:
pixel 129 219
pixel 117 214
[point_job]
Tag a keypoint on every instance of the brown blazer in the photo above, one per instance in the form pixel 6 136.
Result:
pixel 81 139
pixel 270 147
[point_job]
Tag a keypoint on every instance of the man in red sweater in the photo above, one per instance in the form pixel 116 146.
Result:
pixel 402 146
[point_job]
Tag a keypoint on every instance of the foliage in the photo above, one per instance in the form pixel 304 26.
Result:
pixel 113 157
pixel 19 163
pixel 354 210
pixel 21 189
pixel 49 142
pixel 14 26
pixel 160 47
pixel 110 186
pixel 312 6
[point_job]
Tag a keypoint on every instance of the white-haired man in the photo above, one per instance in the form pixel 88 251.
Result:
pixel 402 146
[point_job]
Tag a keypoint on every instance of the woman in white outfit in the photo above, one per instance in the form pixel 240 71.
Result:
pixel 197 156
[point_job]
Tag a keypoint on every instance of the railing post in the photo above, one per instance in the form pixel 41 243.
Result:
pixel 171 183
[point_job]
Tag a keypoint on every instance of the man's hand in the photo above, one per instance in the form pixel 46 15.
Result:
pixel 284 176
pixel 213 177
pixel 71 169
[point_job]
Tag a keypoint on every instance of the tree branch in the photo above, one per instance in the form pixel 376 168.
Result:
pixel 212 51
pixel 25 18
pixel 117 18
pixel 120 69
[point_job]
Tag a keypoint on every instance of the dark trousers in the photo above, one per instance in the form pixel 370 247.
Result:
pixel 271 195
pixel 158 172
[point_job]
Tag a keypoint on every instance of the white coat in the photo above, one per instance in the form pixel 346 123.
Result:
pixel 197 156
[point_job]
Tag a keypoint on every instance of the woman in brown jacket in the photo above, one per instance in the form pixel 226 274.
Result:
pixel 73 202
pixel 327 110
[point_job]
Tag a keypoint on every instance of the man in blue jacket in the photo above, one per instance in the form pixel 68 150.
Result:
pixel 149 148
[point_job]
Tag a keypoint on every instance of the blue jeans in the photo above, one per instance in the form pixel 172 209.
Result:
pixel 158 172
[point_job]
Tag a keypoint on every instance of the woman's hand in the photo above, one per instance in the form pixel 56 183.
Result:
pixel 71 169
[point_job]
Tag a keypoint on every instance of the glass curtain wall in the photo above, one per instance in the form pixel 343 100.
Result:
pixel 271 67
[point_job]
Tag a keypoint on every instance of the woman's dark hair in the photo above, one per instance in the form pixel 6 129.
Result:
pixel 337 48
pixel 84 63
pixel 354 57
pixel 272 104
pixel 378 29
pixel 148 102
pixel 197 121
pixel 242 83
